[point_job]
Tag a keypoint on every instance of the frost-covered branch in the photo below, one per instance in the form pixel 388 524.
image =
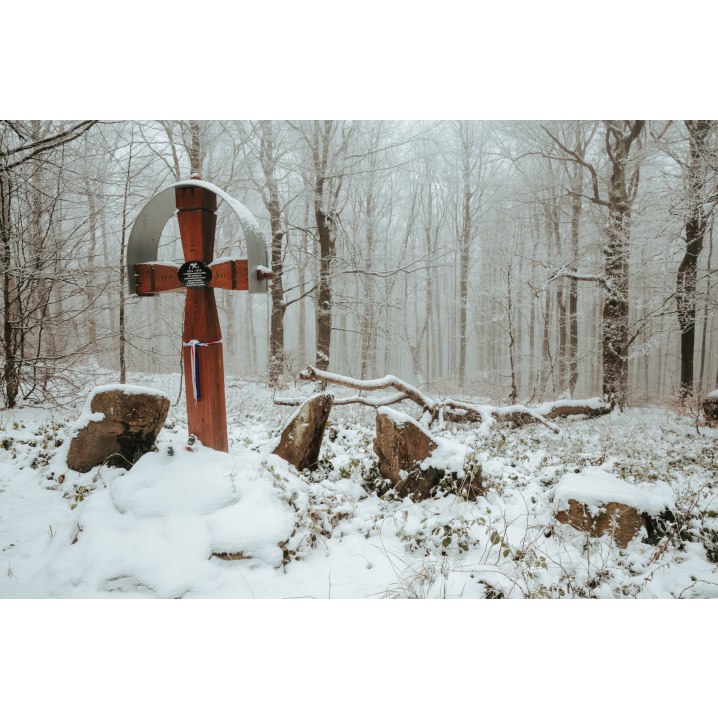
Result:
pixel 598 278
pixel 356 399
pixel 314 374
pixel 577 158
pixel 451 409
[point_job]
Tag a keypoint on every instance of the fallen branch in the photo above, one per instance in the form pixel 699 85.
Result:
pixel 374 403
pixel 314 374
pixel 450 409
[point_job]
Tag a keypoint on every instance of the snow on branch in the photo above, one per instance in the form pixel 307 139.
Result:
pixel 578 276
pixel 356 399
pixel 581 278
pixel 450 409
pixel 314 374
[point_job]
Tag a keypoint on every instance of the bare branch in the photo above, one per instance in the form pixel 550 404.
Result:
pixel 577 158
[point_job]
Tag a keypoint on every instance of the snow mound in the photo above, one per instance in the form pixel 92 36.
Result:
pixel 400 418
pixel 158 525
pixel 594 487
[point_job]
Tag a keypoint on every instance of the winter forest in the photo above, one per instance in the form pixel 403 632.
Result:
pixel 532 302
pixel 521 261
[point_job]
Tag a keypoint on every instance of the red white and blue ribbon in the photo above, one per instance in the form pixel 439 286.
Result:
pixel 193 344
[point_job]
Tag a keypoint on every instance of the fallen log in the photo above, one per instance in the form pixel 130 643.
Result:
pixel 449 409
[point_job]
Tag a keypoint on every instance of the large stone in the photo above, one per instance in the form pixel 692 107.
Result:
pixel 117 426
pixel 629 521
pixel 710 407
pixel 402 445
pixel 301 439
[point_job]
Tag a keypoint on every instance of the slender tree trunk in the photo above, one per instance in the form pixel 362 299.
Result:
pixel 576 208
pixel 705 312
pixel 514 392
pixel 324 307
pixel 123 234
pixel 464 260
pixel 270 196
pixel 90 290
pixel 561 338
pixel 301 268
pixel 366 319
pixel 10 378
pixel 251 338
pixel 546 348
pixel 195 150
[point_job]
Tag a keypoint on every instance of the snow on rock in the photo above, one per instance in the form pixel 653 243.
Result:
pixel 158 525
pixel 59 461
pixel 450 457
pixel 118 422
pixel 594 487
pixel 125 389
pixel 402 445
pixel 400 418
pixel 87 415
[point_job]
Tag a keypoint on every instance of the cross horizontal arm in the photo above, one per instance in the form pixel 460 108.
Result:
pixel 155 278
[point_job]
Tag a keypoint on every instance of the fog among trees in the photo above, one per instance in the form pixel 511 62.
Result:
pixel 518 260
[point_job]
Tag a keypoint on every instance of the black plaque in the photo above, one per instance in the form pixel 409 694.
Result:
pixel 195 275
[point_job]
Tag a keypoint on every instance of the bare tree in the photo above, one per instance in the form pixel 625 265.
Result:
pixel 33 158
pixel 622 189
pixel 700 202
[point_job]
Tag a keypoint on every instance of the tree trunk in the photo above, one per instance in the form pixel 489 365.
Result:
pixel 576 207
pixel 705 313
pixel 10 378
pixel 123 237
pixel 464 259
pixel 270 196
pixel 695 229
pixel 514 392
pixel 195 150
pixel 616 306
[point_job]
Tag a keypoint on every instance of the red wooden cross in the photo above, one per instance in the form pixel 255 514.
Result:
pixel 207 416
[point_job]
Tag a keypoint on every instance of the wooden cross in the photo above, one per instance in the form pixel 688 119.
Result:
pixel 207 415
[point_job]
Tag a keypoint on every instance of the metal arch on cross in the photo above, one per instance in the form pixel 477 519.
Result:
pixel 195 203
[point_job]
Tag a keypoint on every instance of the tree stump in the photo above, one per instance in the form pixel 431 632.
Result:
pixel 117 426
pixel 301 440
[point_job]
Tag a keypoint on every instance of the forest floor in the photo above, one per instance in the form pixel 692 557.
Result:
pixel 154 531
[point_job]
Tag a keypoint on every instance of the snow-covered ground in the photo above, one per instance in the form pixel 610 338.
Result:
pixel 156 530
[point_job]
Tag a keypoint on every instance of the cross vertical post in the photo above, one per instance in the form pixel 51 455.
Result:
pixel 195 204
pixel 207 417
